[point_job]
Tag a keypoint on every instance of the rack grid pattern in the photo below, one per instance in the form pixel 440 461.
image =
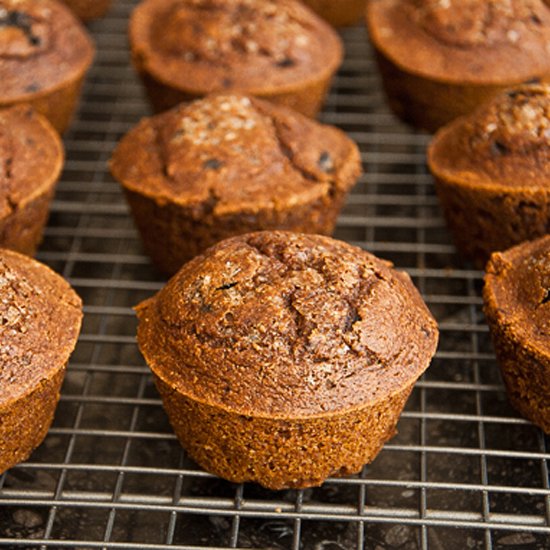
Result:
pixel 464 472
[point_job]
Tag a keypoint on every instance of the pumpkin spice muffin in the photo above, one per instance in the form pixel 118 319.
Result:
pixel 274 49
pixel 284 358
pixel 40 318
pixel 44 55
pixel 440 59
pixel 517 308
pixel 340 13
pixel 31 158
pixel 89 9
pixel 491 172
pixel 227 165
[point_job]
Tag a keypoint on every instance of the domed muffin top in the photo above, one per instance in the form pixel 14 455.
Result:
pixel 213 45
pixel 283 324
pixel 505 141
pixel 42 47
pixel 517 290
pixel 231 153
pixel 40 316
pixel 464 41
pixel 31 157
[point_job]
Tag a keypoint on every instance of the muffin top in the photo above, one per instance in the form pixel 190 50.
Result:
pixel 230 153
pixel 287 325
pixel 40 318
pixel 517 292
pixel 251 45
pixel 31 157
pixel 464 41
pixel 505 141
pixel 42 47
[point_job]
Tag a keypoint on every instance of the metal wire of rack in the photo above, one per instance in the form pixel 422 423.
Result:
pixel 464 472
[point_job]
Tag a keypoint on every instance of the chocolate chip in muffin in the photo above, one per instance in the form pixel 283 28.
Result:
pixel 325 162
pixel 498 148
pixel 212 164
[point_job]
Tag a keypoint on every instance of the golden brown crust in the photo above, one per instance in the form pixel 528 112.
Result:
pixel 464 41
pixel 41 317
pixel 291 347
pixel 277 50
pixel 227 165
pixel 44 55
pixel 340 13
pixel 26 421
pixel 506 142
pixel 441 59
pixel 281 453
pixel 42 48
pixel 31 158
pixel 517 308
pixel 294 324
pixel 491 172
pixel 89 9
pixel 40 320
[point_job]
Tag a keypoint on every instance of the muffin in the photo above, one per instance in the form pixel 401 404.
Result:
pixel 44 55
pixel 439 59
pixel 491 172
pixel 275 49
pixel 339 14
pixel 284 358
pixel 226 165
pixel 517 307
pixel 31 158
pixel 89 9
pixel 40 318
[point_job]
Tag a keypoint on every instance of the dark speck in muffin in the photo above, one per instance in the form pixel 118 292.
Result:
pixel 22 21
pixel 32 87
pixel 227 286
pixel 286 62
pixel 212 164
pixel 498 149
pixel 325 162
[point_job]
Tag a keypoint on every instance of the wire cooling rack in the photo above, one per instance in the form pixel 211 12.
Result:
pixel 464 472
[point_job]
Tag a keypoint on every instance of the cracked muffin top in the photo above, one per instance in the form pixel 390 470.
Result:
pixel 517 292
pixel 231 153
pixel 254 45
pixel 42 47
pixel 40 316
pixel 31 157
pixel 279 323
pixel 464 41
pixel 505 141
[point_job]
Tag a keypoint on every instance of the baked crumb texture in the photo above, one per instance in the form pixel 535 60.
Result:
pixel 40 318
pixel 491 171
pixel 44 55
pixel 440 59
pixel 31 159
pixel 284 358
pixel 278 50
pixel 226 165
pixel 517 307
